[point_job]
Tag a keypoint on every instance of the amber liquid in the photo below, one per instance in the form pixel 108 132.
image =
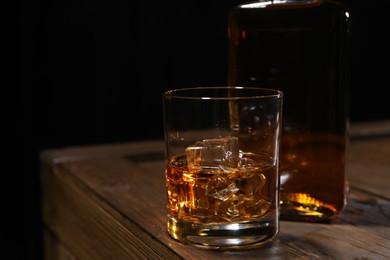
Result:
pixel 300 48
pixel 212 209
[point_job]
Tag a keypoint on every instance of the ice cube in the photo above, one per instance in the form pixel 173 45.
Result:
pixel 212 153
pixel 257 208
pixel 227 210
pixel 221 187
pixel 251 185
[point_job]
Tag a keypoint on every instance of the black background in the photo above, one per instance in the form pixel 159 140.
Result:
pixel 94 72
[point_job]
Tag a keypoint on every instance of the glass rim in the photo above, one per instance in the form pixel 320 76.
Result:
pixel 267 93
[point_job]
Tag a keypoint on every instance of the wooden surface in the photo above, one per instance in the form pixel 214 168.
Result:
pixel 108 202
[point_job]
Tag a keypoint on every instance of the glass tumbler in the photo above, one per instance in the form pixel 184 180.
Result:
pixel 222 165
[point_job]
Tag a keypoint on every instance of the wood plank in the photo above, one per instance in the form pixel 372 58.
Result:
pixel 76 153
pixel 368 166
pixel 369 129
pixel 71 153
pixel 53 249
pixel 137 191
pixel 108 202
pixel 88 225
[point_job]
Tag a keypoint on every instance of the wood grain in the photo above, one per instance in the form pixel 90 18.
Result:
pixel 90 227
pixel 368 165
pixel 108 202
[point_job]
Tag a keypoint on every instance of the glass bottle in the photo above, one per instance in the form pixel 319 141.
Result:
pixel 300 47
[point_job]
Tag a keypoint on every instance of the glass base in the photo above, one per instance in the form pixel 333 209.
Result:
pixel 226 236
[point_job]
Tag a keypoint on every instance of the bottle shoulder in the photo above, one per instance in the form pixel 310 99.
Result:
pixel 264 6
pixel 300 13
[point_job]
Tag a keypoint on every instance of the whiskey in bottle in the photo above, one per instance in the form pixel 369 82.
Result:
pixel 300 47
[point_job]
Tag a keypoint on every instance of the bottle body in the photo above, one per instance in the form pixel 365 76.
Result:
pixel 300 47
